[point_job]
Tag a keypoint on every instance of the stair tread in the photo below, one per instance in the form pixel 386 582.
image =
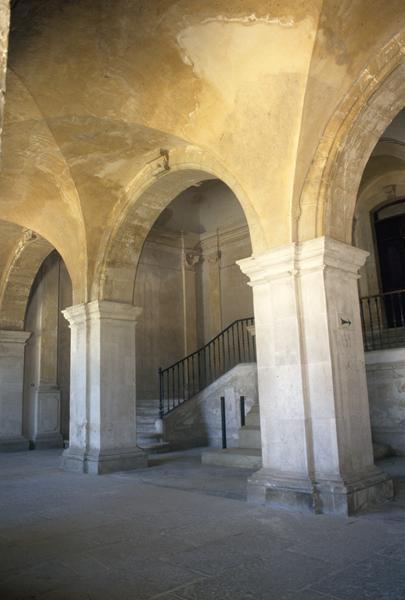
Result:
pixel 244 451
pixel 242 458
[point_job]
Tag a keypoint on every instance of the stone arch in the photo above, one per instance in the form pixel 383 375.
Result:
pixel 29 252
pixel 328 199
pixel 155 187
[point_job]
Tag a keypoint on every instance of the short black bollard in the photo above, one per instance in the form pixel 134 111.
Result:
pixel 223 422
pixel 242 411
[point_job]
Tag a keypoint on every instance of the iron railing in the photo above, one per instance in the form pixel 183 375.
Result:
pixel 383 320
pixel 188 376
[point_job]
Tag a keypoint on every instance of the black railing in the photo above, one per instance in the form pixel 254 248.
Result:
pixel 188 376
pixel 383 320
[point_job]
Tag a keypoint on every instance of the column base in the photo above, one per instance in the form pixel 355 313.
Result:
pixel 104 461
pixel 14 444
pixel 326 496
pixel 43 441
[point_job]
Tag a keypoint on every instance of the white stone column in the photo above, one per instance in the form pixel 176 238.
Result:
pixel 12 345
pixel 102 396
pixel 315 421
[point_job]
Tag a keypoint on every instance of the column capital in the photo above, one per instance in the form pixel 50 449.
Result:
pixel 272 264
pixel 9 336
pixel 326 252
pixel 101 309
pixel 296 258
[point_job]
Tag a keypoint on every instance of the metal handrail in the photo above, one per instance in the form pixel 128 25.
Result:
pixel 402 291
pixel 383 320
pixel 183 379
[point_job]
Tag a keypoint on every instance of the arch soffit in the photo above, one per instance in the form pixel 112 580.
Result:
pixel 48 144
pixel 329 194
pixel 149 193
pixel 17 278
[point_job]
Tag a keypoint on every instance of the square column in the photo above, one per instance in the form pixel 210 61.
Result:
pixel 315 421
pixel 12 346
pixel 102 396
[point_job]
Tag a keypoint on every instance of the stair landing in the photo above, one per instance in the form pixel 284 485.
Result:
pixel 241 458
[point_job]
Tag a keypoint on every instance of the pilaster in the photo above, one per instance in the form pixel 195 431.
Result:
pixel 315 422
pixel 211 286
pixel 103 412
pixel 12 346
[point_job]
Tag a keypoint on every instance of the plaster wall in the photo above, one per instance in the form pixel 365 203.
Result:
pixel 161 328
pixel 4 32
pixel 386 393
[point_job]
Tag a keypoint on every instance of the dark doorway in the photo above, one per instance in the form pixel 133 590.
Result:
pixel 390 237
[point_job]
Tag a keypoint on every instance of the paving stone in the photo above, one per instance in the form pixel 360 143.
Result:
pixel 261 579
pixel 374 579
pixel 216 557
pixel 37 580
pixel 308 594
pixel 67 536
pixel 364 540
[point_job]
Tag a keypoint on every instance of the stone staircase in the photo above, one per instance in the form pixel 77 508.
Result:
pixel 148 435
pixel 248 454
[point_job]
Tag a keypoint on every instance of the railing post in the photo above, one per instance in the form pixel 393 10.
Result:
pixel 223 422
pixel 161 393
pixel 242 411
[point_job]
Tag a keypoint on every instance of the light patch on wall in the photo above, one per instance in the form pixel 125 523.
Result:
pixel 228 53
pixel 250 19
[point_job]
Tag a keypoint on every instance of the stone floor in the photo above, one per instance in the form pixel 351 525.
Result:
pixel 180 530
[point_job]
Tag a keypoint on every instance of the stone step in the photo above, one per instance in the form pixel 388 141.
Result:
pixel 148 437
pixel 241 458
pixel 152 418
pixel 252 419
pixel 249 437
pixel 147 406
pixel 147 413
pixel 146 419
pixel 146 432
pixel 155 448
pixel 147 410
pixel 152 437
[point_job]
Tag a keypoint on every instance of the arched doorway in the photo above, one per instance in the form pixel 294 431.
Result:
pixel 47 357
pixel 195 324
pixel 104 330
pixel 379 228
